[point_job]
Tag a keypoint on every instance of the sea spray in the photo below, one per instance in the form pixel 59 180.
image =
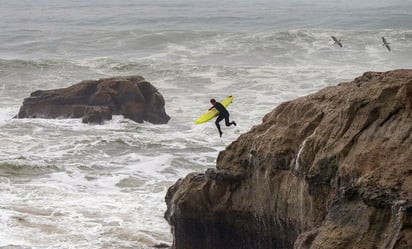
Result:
pixel 106 184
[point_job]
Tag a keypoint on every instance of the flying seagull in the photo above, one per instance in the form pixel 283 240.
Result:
pixel 336 41
pixel 385 43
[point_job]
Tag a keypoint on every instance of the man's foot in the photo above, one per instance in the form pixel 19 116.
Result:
pixel 220 133
pixel 234 123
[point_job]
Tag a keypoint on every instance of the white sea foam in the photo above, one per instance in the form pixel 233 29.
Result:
pixel 65 184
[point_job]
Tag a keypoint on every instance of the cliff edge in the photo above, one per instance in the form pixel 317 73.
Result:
pixel 329 170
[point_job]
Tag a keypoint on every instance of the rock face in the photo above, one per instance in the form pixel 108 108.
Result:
pixel 97 100
pixel 329 170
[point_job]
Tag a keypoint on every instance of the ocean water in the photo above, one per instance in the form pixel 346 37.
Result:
pixel 64 184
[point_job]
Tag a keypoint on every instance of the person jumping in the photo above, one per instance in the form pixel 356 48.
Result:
pixel 223 114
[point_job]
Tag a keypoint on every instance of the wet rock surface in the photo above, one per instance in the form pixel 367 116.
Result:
pixel 329 170
pixel 97 100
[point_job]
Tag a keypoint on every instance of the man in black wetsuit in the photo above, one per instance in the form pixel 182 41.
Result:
pixel 223 114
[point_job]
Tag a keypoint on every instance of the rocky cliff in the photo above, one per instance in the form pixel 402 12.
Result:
pixel 329 170
pixel 97 100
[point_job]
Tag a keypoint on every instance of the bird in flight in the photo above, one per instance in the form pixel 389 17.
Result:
pixel 336 41
pixel 385 43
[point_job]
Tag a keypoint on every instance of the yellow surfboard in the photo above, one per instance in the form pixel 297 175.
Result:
pixel 213 113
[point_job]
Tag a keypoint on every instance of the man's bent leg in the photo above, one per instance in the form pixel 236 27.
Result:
pixel 229 123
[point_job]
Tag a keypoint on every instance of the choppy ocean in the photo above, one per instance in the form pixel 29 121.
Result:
pixel 65 184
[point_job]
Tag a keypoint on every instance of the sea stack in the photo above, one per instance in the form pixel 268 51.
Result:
pixel 329 170
pixel 97 100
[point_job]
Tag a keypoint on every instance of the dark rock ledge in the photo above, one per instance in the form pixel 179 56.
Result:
pixel 329 170
pixel 97 100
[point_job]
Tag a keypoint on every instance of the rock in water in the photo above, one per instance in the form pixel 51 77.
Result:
pixel 97 100
pixel 329 170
